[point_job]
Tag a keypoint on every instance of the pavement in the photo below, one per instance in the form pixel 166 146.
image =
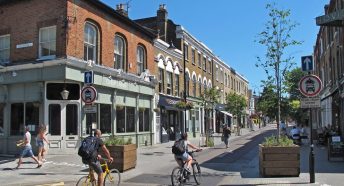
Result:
pixel 237 165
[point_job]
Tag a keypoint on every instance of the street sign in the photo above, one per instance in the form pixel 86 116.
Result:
pixel 307 63
pixel 90 109
pixel 310 85
pixel 313 102
pixel 88 94
pixel 88 77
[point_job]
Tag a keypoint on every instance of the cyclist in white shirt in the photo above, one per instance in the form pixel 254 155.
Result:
pixel 295 133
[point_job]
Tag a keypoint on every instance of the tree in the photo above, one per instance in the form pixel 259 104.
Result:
pixel 276 37
pixel 236 105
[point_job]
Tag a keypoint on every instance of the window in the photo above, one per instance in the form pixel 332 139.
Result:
pixel 17 118
pixel 217 74
pixel 120 119
pixel 193 56
pixel 105 118
pixel 205 85
pixel 125 119
pixel 54 89
pixel 186 52
pixel 176 89
pixel 140 58
pixel 55 119
pixel 130 123
pixel 187 83
pixel 200 87
pixel 120 49
pixel 71 119
pixel 169 83
pixel 47 42
pixel 194 82
pixel 205 64
pixel 199 60
pixel 210 68
pixel 144 120
pixel 161 80
pixel 4 48
pixel 90 43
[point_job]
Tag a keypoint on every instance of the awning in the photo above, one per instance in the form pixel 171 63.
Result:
pixel 168 102
pixel 227 113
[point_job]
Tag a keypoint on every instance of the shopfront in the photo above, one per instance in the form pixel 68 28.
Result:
pixel 123 106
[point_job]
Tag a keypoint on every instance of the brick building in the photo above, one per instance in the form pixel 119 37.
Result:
pixel 46 46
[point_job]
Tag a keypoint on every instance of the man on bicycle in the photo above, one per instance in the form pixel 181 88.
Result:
pixel 185 156
pixel 94 163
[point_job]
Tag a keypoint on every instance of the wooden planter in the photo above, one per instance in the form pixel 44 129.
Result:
pixel 124 156
pixel 279 161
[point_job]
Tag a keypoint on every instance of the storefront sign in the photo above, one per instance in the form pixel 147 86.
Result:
pixel 168 102
pixel 24 45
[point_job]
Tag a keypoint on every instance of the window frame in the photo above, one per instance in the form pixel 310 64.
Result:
pixel 123 62
pixel 95 46
pixel 139 58
pixel 161 80
pixel 5 49
pixel 176 89
pixel 40 56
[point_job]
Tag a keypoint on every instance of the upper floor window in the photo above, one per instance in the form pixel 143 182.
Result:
pixel 4 48
pixel 90 42
pixel 204 63
pixel 161 80
pixel 217 73
pixel 47 42
pixel 199 60
pixel 176 80
pixel 210 68
pixel 193 56
pixel 141 59
pixel 200 87
pixel 186 52
pixel 120 49
pixel 169 83
pixel 194 81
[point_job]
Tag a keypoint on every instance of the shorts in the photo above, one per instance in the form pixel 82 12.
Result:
pixel 95 165
pixel 39 143
pixel 183 157
pixel 27 152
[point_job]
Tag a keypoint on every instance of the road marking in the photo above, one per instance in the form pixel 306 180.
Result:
pixel 53 184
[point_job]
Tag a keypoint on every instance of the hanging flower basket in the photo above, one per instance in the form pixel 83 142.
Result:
pixel 184 105
pixel 156 110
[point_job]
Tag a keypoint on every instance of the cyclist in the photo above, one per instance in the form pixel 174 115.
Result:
pixel 94 163
pixel 185 156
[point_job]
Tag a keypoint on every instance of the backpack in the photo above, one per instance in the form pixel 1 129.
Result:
pixel 178 147
pixel 88 149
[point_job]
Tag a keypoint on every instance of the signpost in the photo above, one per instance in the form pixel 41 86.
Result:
pixel 307 63
pixel 310 86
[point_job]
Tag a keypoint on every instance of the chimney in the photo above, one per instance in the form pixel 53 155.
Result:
pixel 120 8
pixel 162 22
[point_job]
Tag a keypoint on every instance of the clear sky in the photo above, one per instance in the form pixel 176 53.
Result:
pixel 229 27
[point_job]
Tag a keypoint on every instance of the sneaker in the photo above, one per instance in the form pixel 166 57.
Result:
pixel 39 166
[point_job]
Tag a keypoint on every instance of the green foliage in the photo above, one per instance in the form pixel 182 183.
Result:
pixel 210 142
pixel 273 141
pixel 183 105
pixel 210 97
pixel 115 140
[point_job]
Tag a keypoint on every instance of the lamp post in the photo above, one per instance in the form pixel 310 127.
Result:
pixel 184 85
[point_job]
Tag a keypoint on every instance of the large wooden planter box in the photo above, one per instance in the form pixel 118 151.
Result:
pixel 124 156
pixel 279 161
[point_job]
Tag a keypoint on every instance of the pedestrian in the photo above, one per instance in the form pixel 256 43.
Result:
pixel 27 150
pixel 225 135
pixel 41 137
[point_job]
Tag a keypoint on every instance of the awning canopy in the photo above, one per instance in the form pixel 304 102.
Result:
pixel 227 113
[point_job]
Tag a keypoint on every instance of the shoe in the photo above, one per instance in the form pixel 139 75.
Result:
pixel 39 166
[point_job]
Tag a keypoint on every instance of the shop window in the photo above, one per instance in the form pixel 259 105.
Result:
pixel 55 119
pixel 144 120
pixel 2 119
pixel 105 118
pixel 120 52
pixel 4 49
pixel 90 42
pixel 120 118
pixel 169 83
pixel 176 89
pixel 54 91
pixel 140 58
pixel 47 42
pixel 71 119
pixel 32 117
pixel 17 119
pixel 130 124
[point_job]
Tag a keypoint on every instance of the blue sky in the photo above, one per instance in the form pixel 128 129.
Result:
pixel 229 27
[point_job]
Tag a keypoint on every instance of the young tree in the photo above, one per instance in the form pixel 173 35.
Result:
pixel 276 37
pixel 236 105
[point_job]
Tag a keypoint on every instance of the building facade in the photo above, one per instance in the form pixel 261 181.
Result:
pixel 45 50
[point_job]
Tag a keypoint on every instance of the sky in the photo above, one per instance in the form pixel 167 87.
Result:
pixel 229 27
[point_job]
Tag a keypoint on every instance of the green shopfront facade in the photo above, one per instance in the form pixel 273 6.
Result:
pixel 30 94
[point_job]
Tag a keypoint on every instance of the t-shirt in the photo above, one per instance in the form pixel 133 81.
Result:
pixel 100 143
pixel 186 143
pixel 226 133
pixel 27 136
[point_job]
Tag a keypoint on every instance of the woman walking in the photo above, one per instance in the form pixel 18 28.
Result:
pixel 225 135
pixel 41 137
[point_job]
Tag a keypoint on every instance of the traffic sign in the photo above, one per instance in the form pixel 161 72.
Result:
pixel 88 94
pixel 90 109
pixel 310 85
pixel 313 102
pixel 307 63
pixel 88 77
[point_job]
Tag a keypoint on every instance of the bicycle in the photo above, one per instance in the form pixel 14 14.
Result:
pixel 180 175
pixel 111 177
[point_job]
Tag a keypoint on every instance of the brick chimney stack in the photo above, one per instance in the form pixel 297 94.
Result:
pixel 120 8
pixel 162 22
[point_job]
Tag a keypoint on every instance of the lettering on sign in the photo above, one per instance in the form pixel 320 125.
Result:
pixel 24 45
pixel 310 102
pixel 172 102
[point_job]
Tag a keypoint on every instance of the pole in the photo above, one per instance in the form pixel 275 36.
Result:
pixel 184 86
pixel 311 152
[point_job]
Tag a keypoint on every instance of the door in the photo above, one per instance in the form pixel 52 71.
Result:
pixel 63 119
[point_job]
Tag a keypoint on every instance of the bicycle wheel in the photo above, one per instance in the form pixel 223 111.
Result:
pixel 85 181
pixel 113 178
pixel 177 177
pixel 197 173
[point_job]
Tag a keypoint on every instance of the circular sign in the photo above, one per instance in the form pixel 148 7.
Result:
pixel 88 94
pixel 310 85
